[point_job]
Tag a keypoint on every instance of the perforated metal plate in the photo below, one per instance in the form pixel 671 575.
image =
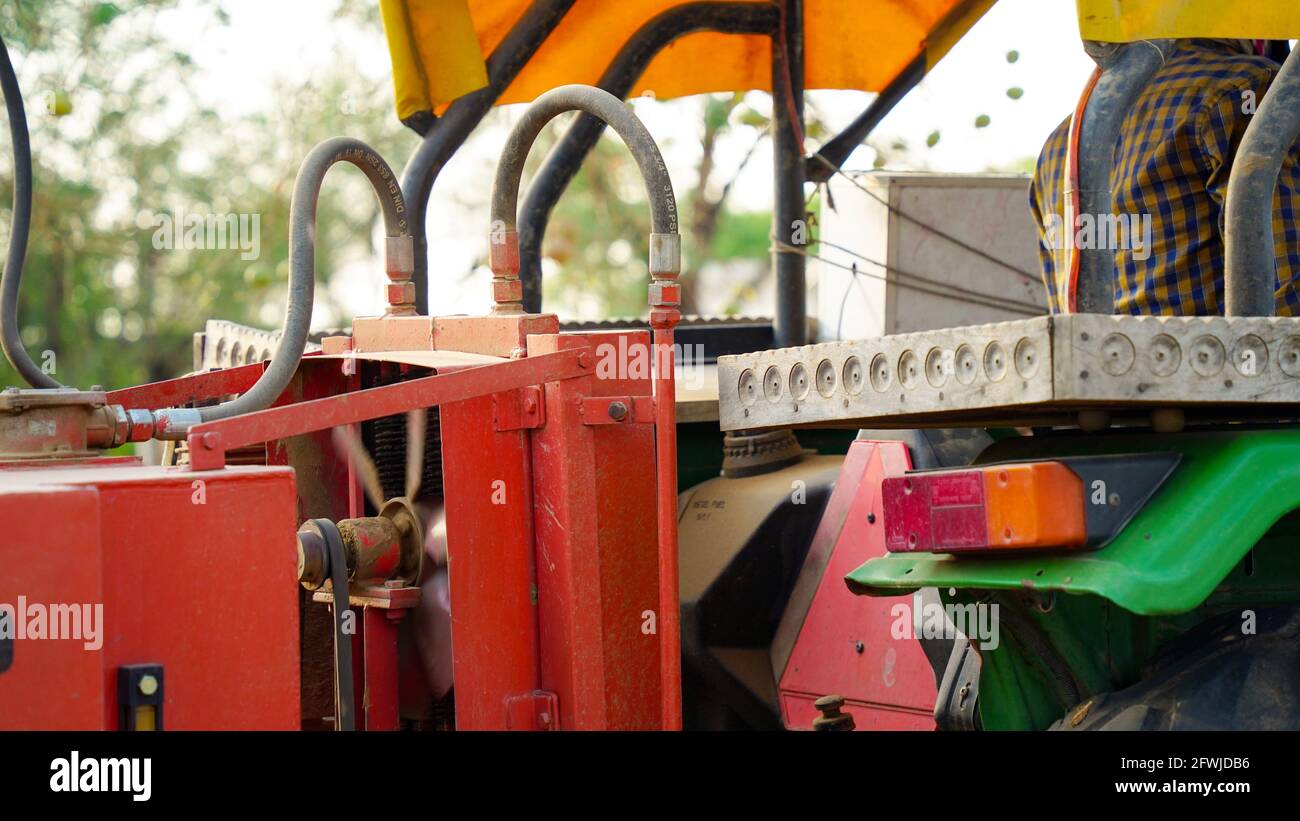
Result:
pixel 1034 371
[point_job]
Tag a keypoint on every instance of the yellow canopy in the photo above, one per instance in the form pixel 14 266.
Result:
pixel 438 47
pixel 1126 21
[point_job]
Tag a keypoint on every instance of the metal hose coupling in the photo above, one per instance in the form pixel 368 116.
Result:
pixel 503 236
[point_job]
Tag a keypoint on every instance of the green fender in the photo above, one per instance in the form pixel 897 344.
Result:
pixel 1229 490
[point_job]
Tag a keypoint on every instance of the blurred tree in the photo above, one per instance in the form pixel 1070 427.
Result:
pixel 140 141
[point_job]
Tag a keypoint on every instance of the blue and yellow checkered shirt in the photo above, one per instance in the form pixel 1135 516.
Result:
pixel 1172 162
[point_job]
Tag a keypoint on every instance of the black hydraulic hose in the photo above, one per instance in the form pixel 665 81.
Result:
pixel 565 159
pixel 658 186
pixel 665 243
pixel 449 132
pixel 1251 260
pixel 302 262
pixel 19 227
pixel 1126 70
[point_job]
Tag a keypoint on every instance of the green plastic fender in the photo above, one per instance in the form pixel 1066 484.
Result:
pixel 1229 490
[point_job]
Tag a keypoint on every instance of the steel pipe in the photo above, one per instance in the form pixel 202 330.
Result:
pixel 1250 275
pixel 1125 71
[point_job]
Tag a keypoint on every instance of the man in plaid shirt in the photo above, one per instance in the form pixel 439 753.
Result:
pixel 1169 183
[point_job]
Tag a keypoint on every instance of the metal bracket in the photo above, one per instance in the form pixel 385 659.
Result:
pixel 617 410
pixel 957 705
pixel 520 409
pixel 383 598
pixel 538 710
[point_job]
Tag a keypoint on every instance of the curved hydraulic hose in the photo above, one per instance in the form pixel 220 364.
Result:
pixel 302 262
pixel 565 159
pixel 1251 259
pixel 610 109
pixel 665 297
pixel 665 242
pixel 1126 70
pixel 19 227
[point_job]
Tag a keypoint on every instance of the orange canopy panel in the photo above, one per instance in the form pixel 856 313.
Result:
pixel 438 47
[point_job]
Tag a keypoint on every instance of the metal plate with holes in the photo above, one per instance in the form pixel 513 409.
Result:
pixel 1034 371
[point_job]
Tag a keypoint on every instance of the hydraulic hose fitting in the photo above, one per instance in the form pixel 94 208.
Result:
pixel 503 236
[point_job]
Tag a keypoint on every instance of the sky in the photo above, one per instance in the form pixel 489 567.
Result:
pixel 293 39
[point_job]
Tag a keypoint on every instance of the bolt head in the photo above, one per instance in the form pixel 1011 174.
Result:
pixel 829 703
pixel 148 685
pixel 617 411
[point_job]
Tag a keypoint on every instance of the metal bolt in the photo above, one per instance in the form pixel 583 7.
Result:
pixel 210 440
pixel 871 518
pixel 1080 713
pixel 831 718
pixel 859 647
pixel 148 685
pixel 617 411
pixel 530 404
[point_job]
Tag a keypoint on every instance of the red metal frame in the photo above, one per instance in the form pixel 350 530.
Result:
pixel 210 441
pixel 171 393
pixel 670 651
pixel 594 520
pixel 557 587
pixel 488 481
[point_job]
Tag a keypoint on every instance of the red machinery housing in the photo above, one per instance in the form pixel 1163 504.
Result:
pixel 549 484
pixel 553 458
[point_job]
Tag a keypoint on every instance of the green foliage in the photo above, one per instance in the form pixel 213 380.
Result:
pixel 141 142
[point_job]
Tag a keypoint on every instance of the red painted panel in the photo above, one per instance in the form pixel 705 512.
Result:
pixel 596 549
pixel 889 684
pixel 201 579
pixel 488 491
pixel 51 553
